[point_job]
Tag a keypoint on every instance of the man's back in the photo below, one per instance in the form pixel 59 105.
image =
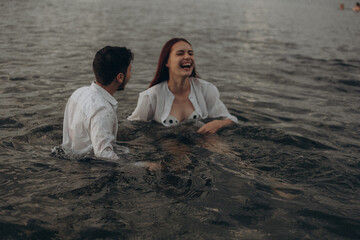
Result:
pixel 90 122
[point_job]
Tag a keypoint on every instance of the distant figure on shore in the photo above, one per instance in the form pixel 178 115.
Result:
pixel 90 120
pixel 356 8
pixel 342 6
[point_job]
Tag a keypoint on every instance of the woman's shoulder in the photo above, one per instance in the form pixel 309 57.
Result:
pixel 202 84
pixel 154 91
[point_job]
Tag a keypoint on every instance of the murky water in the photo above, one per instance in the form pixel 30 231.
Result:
pixel 289 70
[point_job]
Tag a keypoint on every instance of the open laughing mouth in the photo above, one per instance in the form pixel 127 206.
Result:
pixel 186 66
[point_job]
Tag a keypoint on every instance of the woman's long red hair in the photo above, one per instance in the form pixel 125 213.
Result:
pixel 162 72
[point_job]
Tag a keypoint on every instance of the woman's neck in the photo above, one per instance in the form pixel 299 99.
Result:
pixel 179 86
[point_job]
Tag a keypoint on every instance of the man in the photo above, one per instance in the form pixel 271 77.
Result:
pixel 90 120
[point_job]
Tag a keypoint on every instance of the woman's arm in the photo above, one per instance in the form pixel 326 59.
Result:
pixel 214 126
pixel 144 110
pixel 216 108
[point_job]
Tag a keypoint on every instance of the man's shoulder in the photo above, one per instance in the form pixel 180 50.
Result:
pixel 80 91
pixel 89 101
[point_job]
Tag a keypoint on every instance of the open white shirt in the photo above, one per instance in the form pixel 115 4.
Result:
pixel 90 122
pixel 155 103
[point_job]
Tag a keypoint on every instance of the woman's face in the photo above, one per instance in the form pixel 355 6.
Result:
pixel 181 60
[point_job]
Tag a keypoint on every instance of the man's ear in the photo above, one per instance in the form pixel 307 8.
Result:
pixel 120 78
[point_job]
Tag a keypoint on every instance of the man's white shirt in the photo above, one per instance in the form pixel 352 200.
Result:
pixel 90 122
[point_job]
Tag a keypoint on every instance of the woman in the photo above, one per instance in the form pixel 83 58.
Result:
pixel 177 94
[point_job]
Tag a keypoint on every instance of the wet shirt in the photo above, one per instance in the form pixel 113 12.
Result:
pixel 155 103
pixel 90 122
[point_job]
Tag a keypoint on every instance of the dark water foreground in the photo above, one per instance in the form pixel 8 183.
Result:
pixel 246 182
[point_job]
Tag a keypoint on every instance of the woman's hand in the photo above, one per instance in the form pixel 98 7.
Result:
pixel 213 126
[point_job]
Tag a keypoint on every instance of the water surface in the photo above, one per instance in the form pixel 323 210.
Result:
pixel 289 70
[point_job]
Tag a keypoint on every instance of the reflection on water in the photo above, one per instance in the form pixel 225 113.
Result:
pixel 289 70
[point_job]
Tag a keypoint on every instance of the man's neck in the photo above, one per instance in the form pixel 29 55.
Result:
pixel 108 88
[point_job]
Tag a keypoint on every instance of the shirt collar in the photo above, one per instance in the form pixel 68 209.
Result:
pixel 169 98
pixel 168 90
pixel 193 99
pixel 192 92
pixel 104 94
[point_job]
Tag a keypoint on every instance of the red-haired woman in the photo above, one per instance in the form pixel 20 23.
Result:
pixel 177 94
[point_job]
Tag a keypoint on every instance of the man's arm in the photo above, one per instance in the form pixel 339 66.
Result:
pixel 103 130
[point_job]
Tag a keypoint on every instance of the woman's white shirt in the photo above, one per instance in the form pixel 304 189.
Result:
pixel 155 103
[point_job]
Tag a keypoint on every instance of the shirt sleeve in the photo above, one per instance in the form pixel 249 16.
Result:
pixel 144 110
pixel 103 129
pixel 216 108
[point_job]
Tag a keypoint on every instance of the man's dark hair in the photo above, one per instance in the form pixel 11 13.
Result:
pixel 109 62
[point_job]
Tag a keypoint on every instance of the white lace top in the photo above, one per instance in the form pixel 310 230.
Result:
pixel 172 121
